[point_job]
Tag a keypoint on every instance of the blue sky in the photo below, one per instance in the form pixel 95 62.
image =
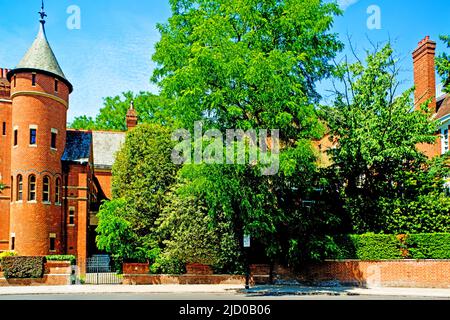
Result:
pixel 111 53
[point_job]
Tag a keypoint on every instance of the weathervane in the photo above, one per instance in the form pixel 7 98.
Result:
pixel 42 13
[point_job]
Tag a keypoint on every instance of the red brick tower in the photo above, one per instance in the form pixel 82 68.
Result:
pixel 5 158
pixel 40 95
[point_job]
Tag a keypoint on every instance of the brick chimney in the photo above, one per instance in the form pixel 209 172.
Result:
pixel 425 73
pixel 132 118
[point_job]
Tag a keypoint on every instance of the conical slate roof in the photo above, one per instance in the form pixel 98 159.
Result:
pixel 40 57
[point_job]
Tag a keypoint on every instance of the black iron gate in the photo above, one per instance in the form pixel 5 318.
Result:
pixel 100 271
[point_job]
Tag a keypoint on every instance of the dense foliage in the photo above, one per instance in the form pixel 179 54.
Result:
pixel 143 173
pixel 23 267
pixel 254 65
pixel 191 235
pixel 365 247
pixel 385 183
pixel 428 246
pixel 250 65
pixel 387 247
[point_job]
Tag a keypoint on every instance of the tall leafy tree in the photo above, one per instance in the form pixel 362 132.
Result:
pixel 142 174
pixel 384 182
pixel 443 65
pixel 250 64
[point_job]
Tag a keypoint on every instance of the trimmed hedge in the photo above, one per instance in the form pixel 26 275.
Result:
pixel 372 247
pixel 429 246
pixel 367 247
pixel 70 258
pixel 23 267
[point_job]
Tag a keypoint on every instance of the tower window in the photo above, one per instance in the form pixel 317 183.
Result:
pixel 46 190
pixel 19 189
pixel 33 136
pixel 4 128
pixel 12 189
pixel 57 191
pixel 72 216
pixel 13 243
pixel 53 138
pixel 33 79
pixel 32 188
pixel 16 137
pixel 56 85
pixel 15 81
pixel 52 242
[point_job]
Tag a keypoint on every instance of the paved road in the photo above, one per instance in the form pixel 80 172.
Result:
pixel 197 296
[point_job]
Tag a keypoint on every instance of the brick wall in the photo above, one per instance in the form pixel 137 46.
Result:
pixel 149 279
pixel 396 273
pixel 136 268
pixel 104 178
pixel 198 269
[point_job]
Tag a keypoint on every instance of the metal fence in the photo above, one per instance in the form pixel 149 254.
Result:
pixel 100 271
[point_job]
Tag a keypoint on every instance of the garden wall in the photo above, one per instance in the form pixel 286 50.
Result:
pixel 388 273
pixel 138 274
pixel 56 274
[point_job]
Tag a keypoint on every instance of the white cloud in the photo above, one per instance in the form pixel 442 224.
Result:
pixel 344 4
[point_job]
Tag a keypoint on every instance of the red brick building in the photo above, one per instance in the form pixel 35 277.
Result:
pixel 52 179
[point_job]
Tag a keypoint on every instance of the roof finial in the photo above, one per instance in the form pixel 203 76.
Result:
pixel 42 14
pixel 132 105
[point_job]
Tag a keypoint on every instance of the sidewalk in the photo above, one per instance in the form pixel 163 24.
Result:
pixel 348 291
pixel 259 291
pixel 94 289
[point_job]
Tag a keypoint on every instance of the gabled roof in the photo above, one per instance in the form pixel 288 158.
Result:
pixel 106 145
pixel 78 147
pixel 443 106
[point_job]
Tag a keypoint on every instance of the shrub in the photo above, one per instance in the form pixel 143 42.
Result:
pixel 387 247
pixel 4 255
pixel 377 247
pixel 367 247
pixel 167 265
pixel 23 267
pixel 70 258
pixel 7 254
pixel 429 246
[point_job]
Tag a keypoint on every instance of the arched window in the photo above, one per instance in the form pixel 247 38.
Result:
pixel 46 190
pixel 32 188
pixel 19 188
pixel 57 191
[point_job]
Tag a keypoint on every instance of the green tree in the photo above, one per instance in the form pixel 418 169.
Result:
pixel 149 107
pixel 116 234
pixel 385 183
pixel 191 235
pixel 250 64
pixel 443 65
pixel 142 174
